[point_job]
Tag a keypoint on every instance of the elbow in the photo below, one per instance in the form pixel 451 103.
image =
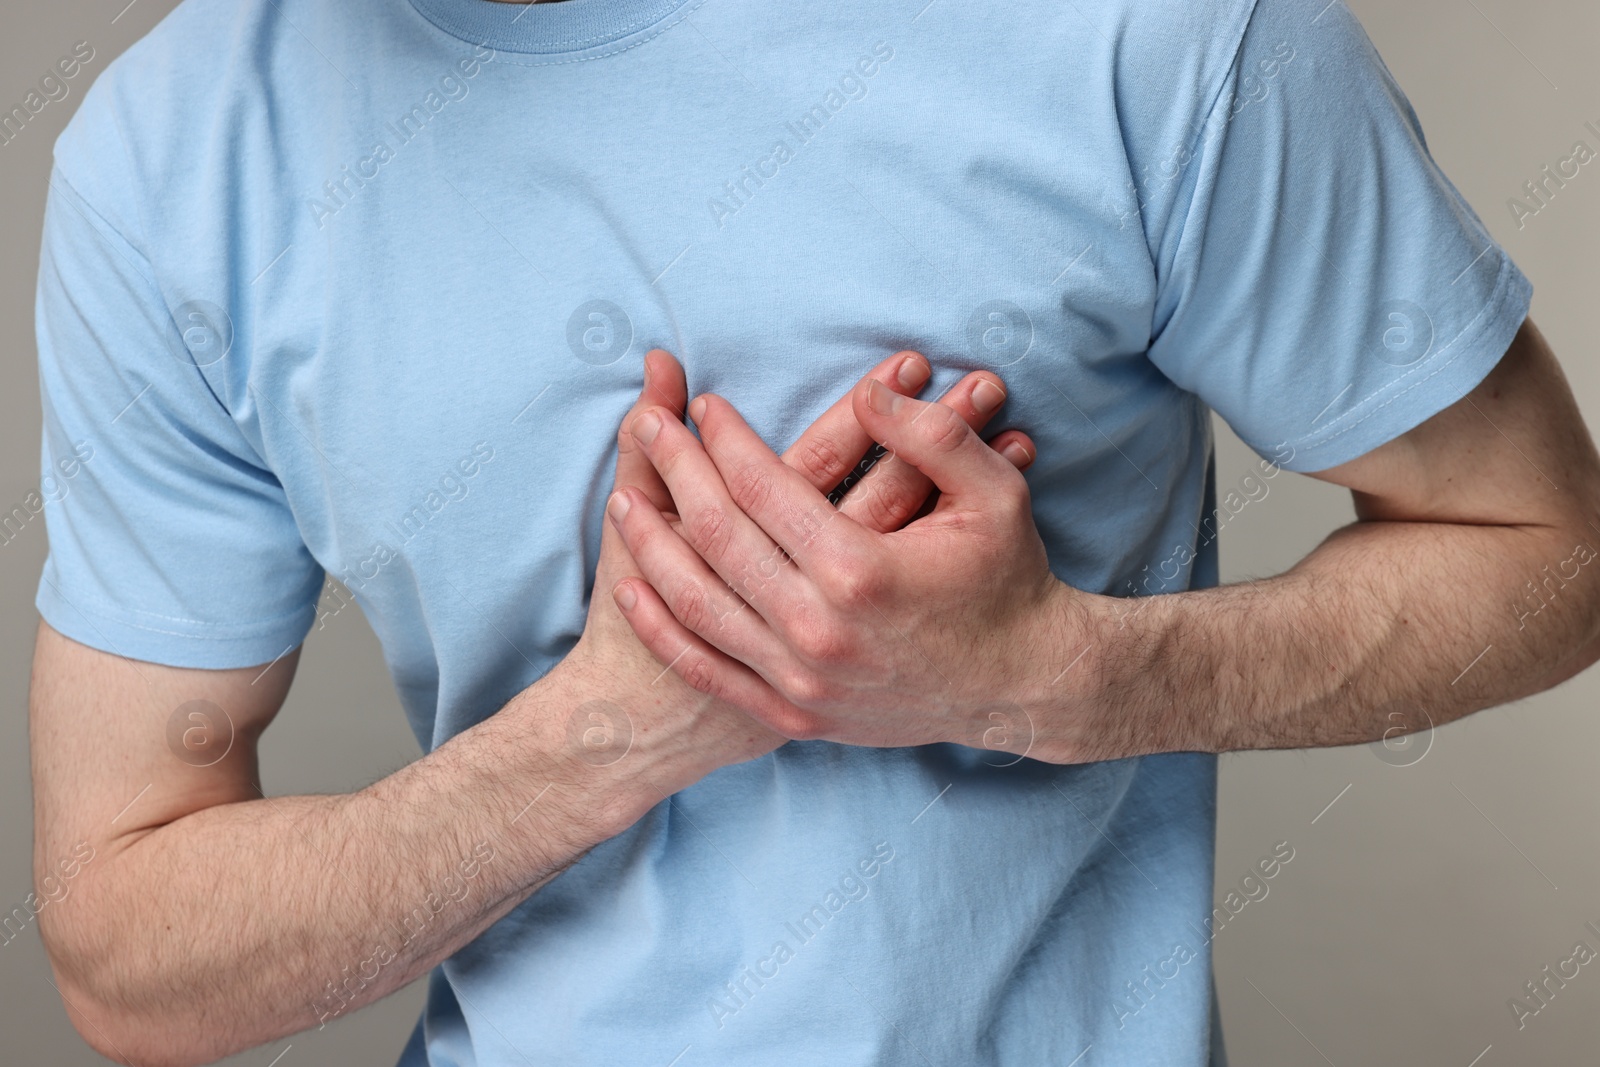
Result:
pixel 102 1030
pixel 93 975
pixel 1573 602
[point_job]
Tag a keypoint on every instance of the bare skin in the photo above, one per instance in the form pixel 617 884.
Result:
pixel 1469 580
pixel 210 919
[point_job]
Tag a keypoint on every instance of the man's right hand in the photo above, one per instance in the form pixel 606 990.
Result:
pixel 180 867
pixel 675 733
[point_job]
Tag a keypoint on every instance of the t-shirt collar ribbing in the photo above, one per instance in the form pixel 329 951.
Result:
pixel 547 28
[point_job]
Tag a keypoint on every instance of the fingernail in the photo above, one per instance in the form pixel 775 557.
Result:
pixel 697 409
pixel 624 595
pixel 987 396
pixel 882 399
pixel 618 506
pixel 1017 453
pixel 645 427
pixel 912 373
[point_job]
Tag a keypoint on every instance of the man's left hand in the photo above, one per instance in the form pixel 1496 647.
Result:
pixel 883 639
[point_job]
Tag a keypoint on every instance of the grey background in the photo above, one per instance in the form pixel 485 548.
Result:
pixel 1415 905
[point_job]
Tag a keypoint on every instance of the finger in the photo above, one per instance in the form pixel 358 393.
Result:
pixel 935 440
pixel 713 524
pixel 893 490
pixel 1017 447
pixel 702 666
pixel 831 447
pixel 664 386
pixel 702 600
pixel 786 507
pixel 886 502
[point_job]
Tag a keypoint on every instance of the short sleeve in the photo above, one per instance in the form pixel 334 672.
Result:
pixel 1323 286
pixel 169 539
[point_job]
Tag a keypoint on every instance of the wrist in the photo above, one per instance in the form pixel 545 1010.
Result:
pixel 1154 676
pixel 1105 690
pixel 620 734
pixel 1028 700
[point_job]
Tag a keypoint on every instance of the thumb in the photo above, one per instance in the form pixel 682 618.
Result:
pixel 933 438
pixel 664 386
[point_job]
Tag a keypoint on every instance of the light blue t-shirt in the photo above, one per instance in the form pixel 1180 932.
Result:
pixel 363 288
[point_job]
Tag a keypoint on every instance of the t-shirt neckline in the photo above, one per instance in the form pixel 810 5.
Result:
pixel 547 28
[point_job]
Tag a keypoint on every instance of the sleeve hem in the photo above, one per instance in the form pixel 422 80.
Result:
pixel 114 632
pixel 1432 386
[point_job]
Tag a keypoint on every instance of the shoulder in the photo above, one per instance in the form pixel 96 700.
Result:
pixel 183 61
pixel 1206 42
pixel 1169 60
pixel 1202 33
pixel 183 101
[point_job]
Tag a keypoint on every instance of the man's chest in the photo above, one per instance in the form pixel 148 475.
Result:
pixel 438 368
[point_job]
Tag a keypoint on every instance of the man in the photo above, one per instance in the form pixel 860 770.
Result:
pixel 360 289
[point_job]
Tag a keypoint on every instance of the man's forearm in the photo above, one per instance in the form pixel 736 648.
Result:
pixel 1387 627
pixel 244 922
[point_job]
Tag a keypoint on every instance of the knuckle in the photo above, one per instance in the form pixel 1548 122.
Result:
pixel 848 580
pixel 822 459
pixel 692 606
pixel 709 531
pixel 822 644
pixel 805 689
pixel 943 430
pixel 885 504
pixel 699 674
pixel 750 487
pixel 1015 501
